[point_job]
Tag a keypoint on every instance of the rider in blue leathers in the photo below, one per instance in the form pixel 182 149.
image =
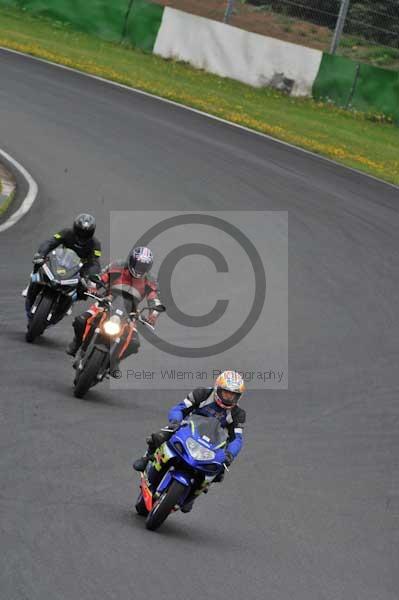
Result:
pixel 220 401
pixel 201 401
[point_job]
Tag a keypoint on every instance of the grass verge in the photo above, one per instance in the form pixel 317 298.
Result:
pixel 6 204
pixel 349 138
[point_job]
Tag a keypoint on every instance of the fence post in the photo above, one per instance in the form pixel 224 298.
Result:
pixel 229 11
pixel 339 27
pixel 124 32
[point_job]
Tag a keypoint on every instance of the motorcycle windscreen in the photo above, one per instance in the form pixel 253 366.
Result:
pixel 64 263
pixel 209 429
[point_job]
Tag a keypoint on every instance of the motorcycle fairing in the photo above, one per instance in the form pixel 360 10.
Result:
pixel 146 492
pixel 176 448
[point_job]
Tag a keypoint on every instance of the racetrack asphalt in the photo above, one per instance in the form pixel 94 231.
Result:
pixel 311 509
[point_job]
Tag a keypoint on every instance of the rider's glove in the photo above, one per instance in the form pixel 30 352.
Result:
pixel 228 458
pixel 95 279
pixel 174 425
pixel 88 285
pixel 38 259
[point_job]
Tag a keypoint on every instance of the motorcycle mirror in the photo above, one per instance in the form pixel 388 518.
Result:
pixel 159 308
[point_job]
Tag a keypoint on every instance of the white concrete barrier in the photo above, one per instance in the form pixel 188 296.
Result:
pixel 231 52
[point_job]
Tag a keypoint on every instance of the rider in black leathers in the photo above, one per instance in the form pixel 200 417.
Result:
pixel 80 238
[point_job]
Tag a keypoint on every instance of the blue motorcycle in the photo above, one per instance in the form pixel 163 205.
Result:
pixel 183 468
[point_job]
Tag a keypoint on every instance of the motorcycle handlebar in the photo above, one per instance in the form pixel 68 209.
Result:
pixel 134 315
pixel 105 300
pixel 146 323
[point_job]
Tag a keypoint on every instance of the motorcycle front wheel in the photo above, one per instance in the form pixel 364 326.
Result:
pixel 88 376
pixel 162 508
pixel 38 322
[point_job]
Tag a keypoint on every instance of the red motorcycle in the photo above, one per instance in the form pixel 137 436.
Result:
pixel 106 338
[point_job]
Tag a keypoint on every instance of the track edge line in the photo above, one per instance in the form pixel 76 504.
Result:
pixel 29 198
pixel 203 113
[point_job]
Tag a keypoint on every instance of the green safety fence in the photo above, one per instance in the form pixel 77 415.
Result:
pixel 103 18
pixel 358 86
pixel 334 80
pixel 377 90
pixel 143 24
pixel 136 21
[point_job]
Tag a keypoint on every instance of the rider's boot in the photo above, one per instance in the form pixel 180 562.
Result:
pixel 141 463
pixel 154 441
pixel 78 325
pixel 188 507
pixel 73 347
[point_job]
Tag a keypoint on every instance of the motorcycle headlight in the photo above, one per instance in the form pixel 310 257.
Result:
pixel 113 325
pixel 198 451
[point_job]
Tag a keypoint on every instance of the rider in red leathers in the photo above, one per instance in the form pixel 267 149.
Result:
pixel 132 279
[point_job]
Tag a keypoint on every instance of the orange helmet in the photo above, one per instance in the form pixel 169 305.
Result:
pixel 228 389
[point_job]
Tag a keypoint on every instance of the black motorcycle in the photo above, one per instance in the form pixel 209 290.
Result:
pixel 57 280
pixel 106 339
